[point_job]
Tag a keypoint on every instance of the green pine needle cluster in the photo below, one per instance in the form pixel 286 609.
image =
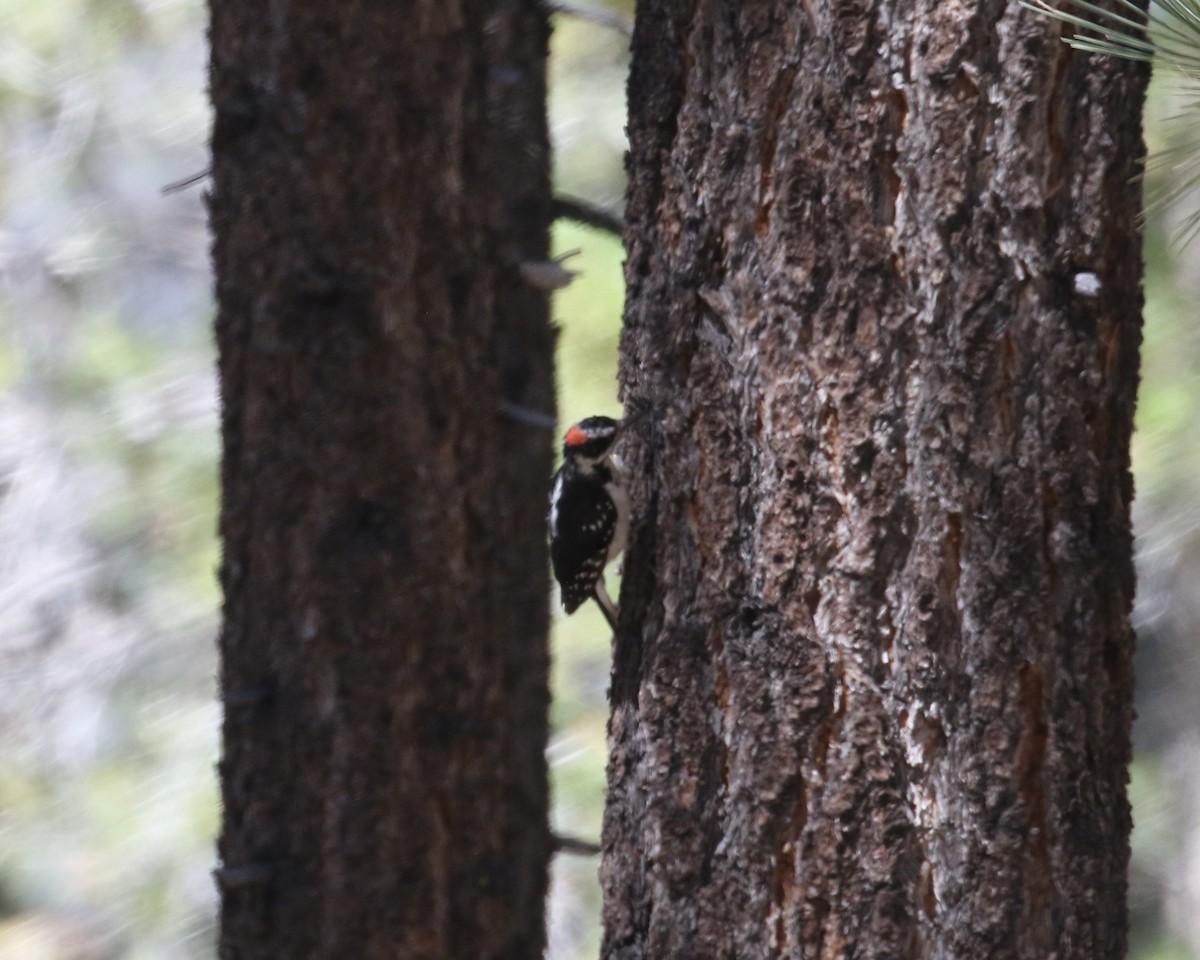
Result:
pixel 1167 35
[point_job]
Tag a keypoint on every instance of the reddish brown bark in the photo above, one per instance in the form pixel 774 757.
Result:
pixel 872 684
pixel 378 174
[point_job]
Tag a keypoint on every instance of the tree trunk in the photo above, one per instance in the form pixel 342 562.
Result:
pixel 379 172
pixel 872 690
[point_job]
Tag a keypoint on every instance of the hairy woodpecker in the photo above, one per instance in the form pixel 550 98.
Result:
pixel 589 514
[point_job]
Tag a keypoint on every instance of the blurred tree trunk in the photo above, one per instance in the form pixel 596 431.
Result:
pixel 872 688
pixel 379 172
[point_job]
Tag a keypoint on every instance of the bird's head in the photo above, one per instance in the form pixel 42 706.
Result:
pixel 591 440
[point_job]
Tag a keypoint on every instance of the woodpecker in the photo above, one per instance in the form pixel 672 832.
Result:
pixel 589 514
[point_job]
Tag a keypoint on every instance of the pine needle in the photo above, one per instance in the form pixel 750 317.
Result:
pixel 1167 35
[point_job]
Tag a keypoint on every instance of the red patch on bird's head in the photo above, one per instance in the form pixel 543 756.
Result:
pixel 575 437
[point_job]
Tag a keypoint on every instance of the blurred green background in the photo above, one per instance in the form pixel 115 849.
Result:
pixel 108 452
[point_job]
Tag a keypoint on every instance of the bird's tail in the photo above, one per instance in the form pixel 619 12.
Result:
pixel 604 602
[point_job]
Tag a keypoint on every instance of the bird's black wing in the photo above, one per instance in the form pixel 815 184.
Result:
pixel 583 528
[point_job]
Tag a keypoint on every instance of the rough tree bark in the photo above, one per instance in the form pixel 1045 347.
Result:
pixel 872 687
pixel 378 175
